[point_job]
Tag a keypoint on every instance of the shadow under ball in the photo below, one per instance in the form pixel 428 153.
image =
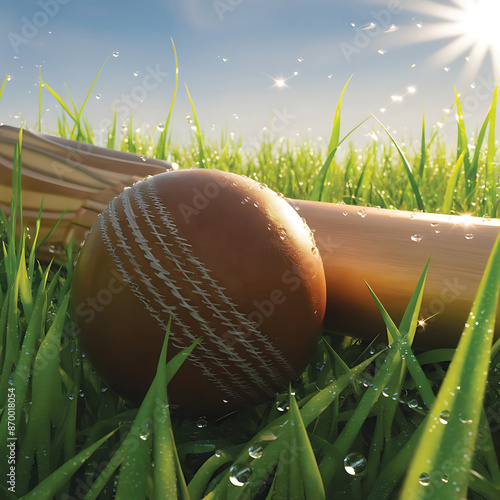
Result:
pixel 230 260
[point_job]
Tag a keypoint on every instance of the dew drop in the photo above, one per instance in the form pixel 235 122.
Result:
pixel 445 478
pixel 240 474
pixel 201 423
pixel 469 236
pixel 116 53
pixel 464 419
pixel 434 224
pixel 281 195
pixel 345 214
pixel 143 158
pixel 424 479
pixel 362 213
pixel 255 451
pixel 444 416
pixel 262 185
pixel 314 250
pixel 354 464
pixel 416 238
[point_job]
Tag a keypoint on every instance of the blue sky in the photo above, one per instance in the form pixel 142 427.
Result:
pixel 231 54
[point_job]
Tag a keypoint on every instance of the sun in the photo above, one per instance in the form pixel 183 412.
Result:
pixel 472 27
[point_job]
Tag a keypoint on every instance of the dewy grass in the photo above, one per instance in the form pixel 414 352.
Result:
pixel 359 420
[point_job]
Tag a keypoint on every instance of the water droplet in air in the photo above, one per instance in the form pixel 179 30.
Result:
pixel 300 59
pixel 330 76
pixel 416 238
pixel 116 53
pixel 424 479
pixel 391 28
pixel 8 78
pixel 382 51
pixel 444 416
pixel 354 464
pixel 368 26
pixel 98 96
pixel 446 68
pixel 469 236
pixel 255 451
pixel 240 474
pixel 136 73
pixel 362 213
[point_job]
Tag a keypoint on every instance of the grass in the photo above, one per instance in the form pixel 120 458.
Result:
pixel 362 422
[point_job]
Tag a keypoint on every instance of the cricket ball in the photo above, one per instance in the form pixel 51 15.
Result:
pixel 229 260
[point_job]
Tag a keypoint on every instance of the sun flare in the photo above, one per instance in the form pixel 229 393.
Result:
pixel 471 28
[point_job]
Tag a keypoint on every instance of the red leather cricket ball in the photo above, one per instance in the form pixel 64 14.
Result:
pixel 229 260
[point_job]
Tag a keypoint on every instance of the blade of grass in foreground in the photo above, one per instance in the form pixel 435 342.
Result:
pixel 447 446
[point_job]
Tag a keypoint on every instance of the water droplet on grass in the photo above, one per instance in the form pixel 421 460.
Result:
pixel 424 479
pixel 240 474
pixel 354 464
pixel 201 423
pixel 255 451
pixel 444 416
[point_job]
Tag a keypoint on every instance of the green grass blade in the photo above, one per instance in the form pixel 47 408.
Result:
pixel 452 184
pixel 160 147
pixel 409 172
pixel 5 80
pixel 50 486
pixel 491 170
pixel 309 476
pixel 423 150
pixel 201 153
pixel 59 100
pixel 447 446
pixel 332 148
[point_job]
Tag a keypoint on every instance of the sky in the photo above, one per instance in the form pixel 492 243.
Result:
pixel 253 66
